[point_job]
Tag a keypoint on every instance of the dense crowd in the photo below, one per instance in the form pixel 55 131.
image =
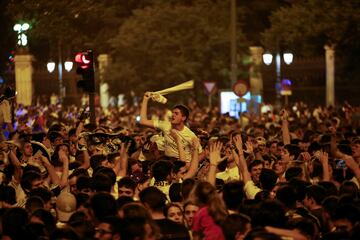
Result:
pixel 181 173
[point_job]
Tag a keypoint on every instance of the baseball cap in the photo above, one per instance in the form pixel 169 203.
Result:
pixel 65 206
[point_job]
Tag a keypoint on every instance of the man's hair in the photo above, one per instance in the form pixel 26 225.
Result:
pixel 27 179
pixel 44 193
pixel 293 150
pixel 255 163
pixel 233 224
pixel 154 198
pixel 84 182
pixel 317 192
pixel 161 170
pixel 187 186
pixel 293 172
pixel 178 164
pixel 95 160
pixel 233 194
pixel 101 183
pixel 127 182
pixel 33 203
pixel 175 192
pixel 103 205
pixel 268 179
pixel 109 172
pixel 183 109
pixel 287 196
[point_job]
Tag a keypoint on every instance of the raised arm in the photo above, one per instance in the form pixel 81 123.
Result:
pixel 241 162
pixel 65 171
pixel 54 178
pixel 16 163
pixel 354 167
pixel 324 159
pixel 285 127
pixel 121 163
pixel 86 162
pixel 215 159
pixel 143 112
pixel 194 165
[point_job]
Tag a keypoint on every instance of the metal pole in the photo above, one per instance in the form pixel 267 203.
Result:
pixel 278 80
pixel 210 101
pixel 233 64
pixel 93 90
pixel 60 69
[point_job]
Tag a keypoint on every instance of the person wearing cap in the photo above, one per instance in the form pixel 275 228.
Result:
pixel 65 207
pixel 5 111
pixel 176 133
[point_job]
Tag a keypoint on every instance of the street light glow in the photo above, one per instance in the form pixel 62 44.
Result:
pixel 17 27
pixel 288 58
pixel 20 29
pixel 68 65
pixel 50 66
pixel 24 40
pixel 267 58
pixel 25 27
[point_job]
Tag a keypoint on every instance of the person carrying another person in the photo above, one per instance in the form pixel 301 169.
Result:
pixel 178 137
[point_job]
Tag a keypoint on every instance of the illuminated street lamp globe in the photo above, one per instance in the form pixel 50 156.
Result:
pixel 50 66
pixel 68 65
pixel 20 29
pixel 267 58
pixel 288 58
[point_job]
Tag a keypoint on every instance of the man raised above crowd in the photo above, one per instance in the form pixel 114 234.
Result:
pixel 177 136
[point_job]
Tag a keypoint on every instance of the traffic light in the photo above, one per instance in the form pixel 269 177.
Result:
pixel 85 61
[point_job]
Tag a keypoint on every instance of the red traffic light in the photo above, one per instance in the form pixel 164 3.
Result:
pixel 83 59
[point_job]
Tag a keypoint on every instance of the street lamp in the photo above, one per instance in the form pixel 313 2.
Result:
pixel 51 67
pixel 20 29
pixel 68 65
pixel 288 59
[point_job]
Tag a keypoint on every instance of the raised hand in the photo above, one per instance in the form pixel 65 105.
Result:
pixel 63 155
pixel 147 95
pixel 324 157
pixel 249 147
pixel 305 156
pixel 284 114
pixel 215 149
pixel 238 142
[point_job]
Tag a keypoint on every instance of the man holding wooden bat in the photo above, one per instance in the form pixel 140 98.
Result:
pixel 175 133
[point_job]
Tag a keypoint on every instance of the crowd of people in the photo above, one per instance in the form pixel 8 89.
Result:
pixel 143 173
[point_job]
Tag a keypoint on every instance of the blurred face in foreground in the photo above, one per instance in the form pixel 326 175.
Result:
pixel 189 212
pixel 175 214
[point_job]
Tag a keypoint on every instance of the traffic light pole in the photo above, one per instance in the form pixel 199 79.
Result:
pixel 86 68
pixel 92 89
pixel 92 107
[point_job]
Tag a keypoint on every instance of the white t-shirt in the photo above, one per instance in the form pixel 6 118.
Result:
pixel 171 149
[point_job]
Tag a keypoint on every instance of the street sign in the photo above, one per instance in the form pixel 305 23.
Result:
pixel 286 87
pixel 210 87
pixel 240 88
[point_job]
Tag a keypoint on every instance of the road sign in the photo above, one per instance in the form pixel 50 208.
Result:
pixel 286 87
pixel 210 87
pixel 240 88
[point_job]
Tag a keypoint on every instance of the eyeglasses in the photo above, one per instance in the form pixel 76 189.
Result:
pixel 102 231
